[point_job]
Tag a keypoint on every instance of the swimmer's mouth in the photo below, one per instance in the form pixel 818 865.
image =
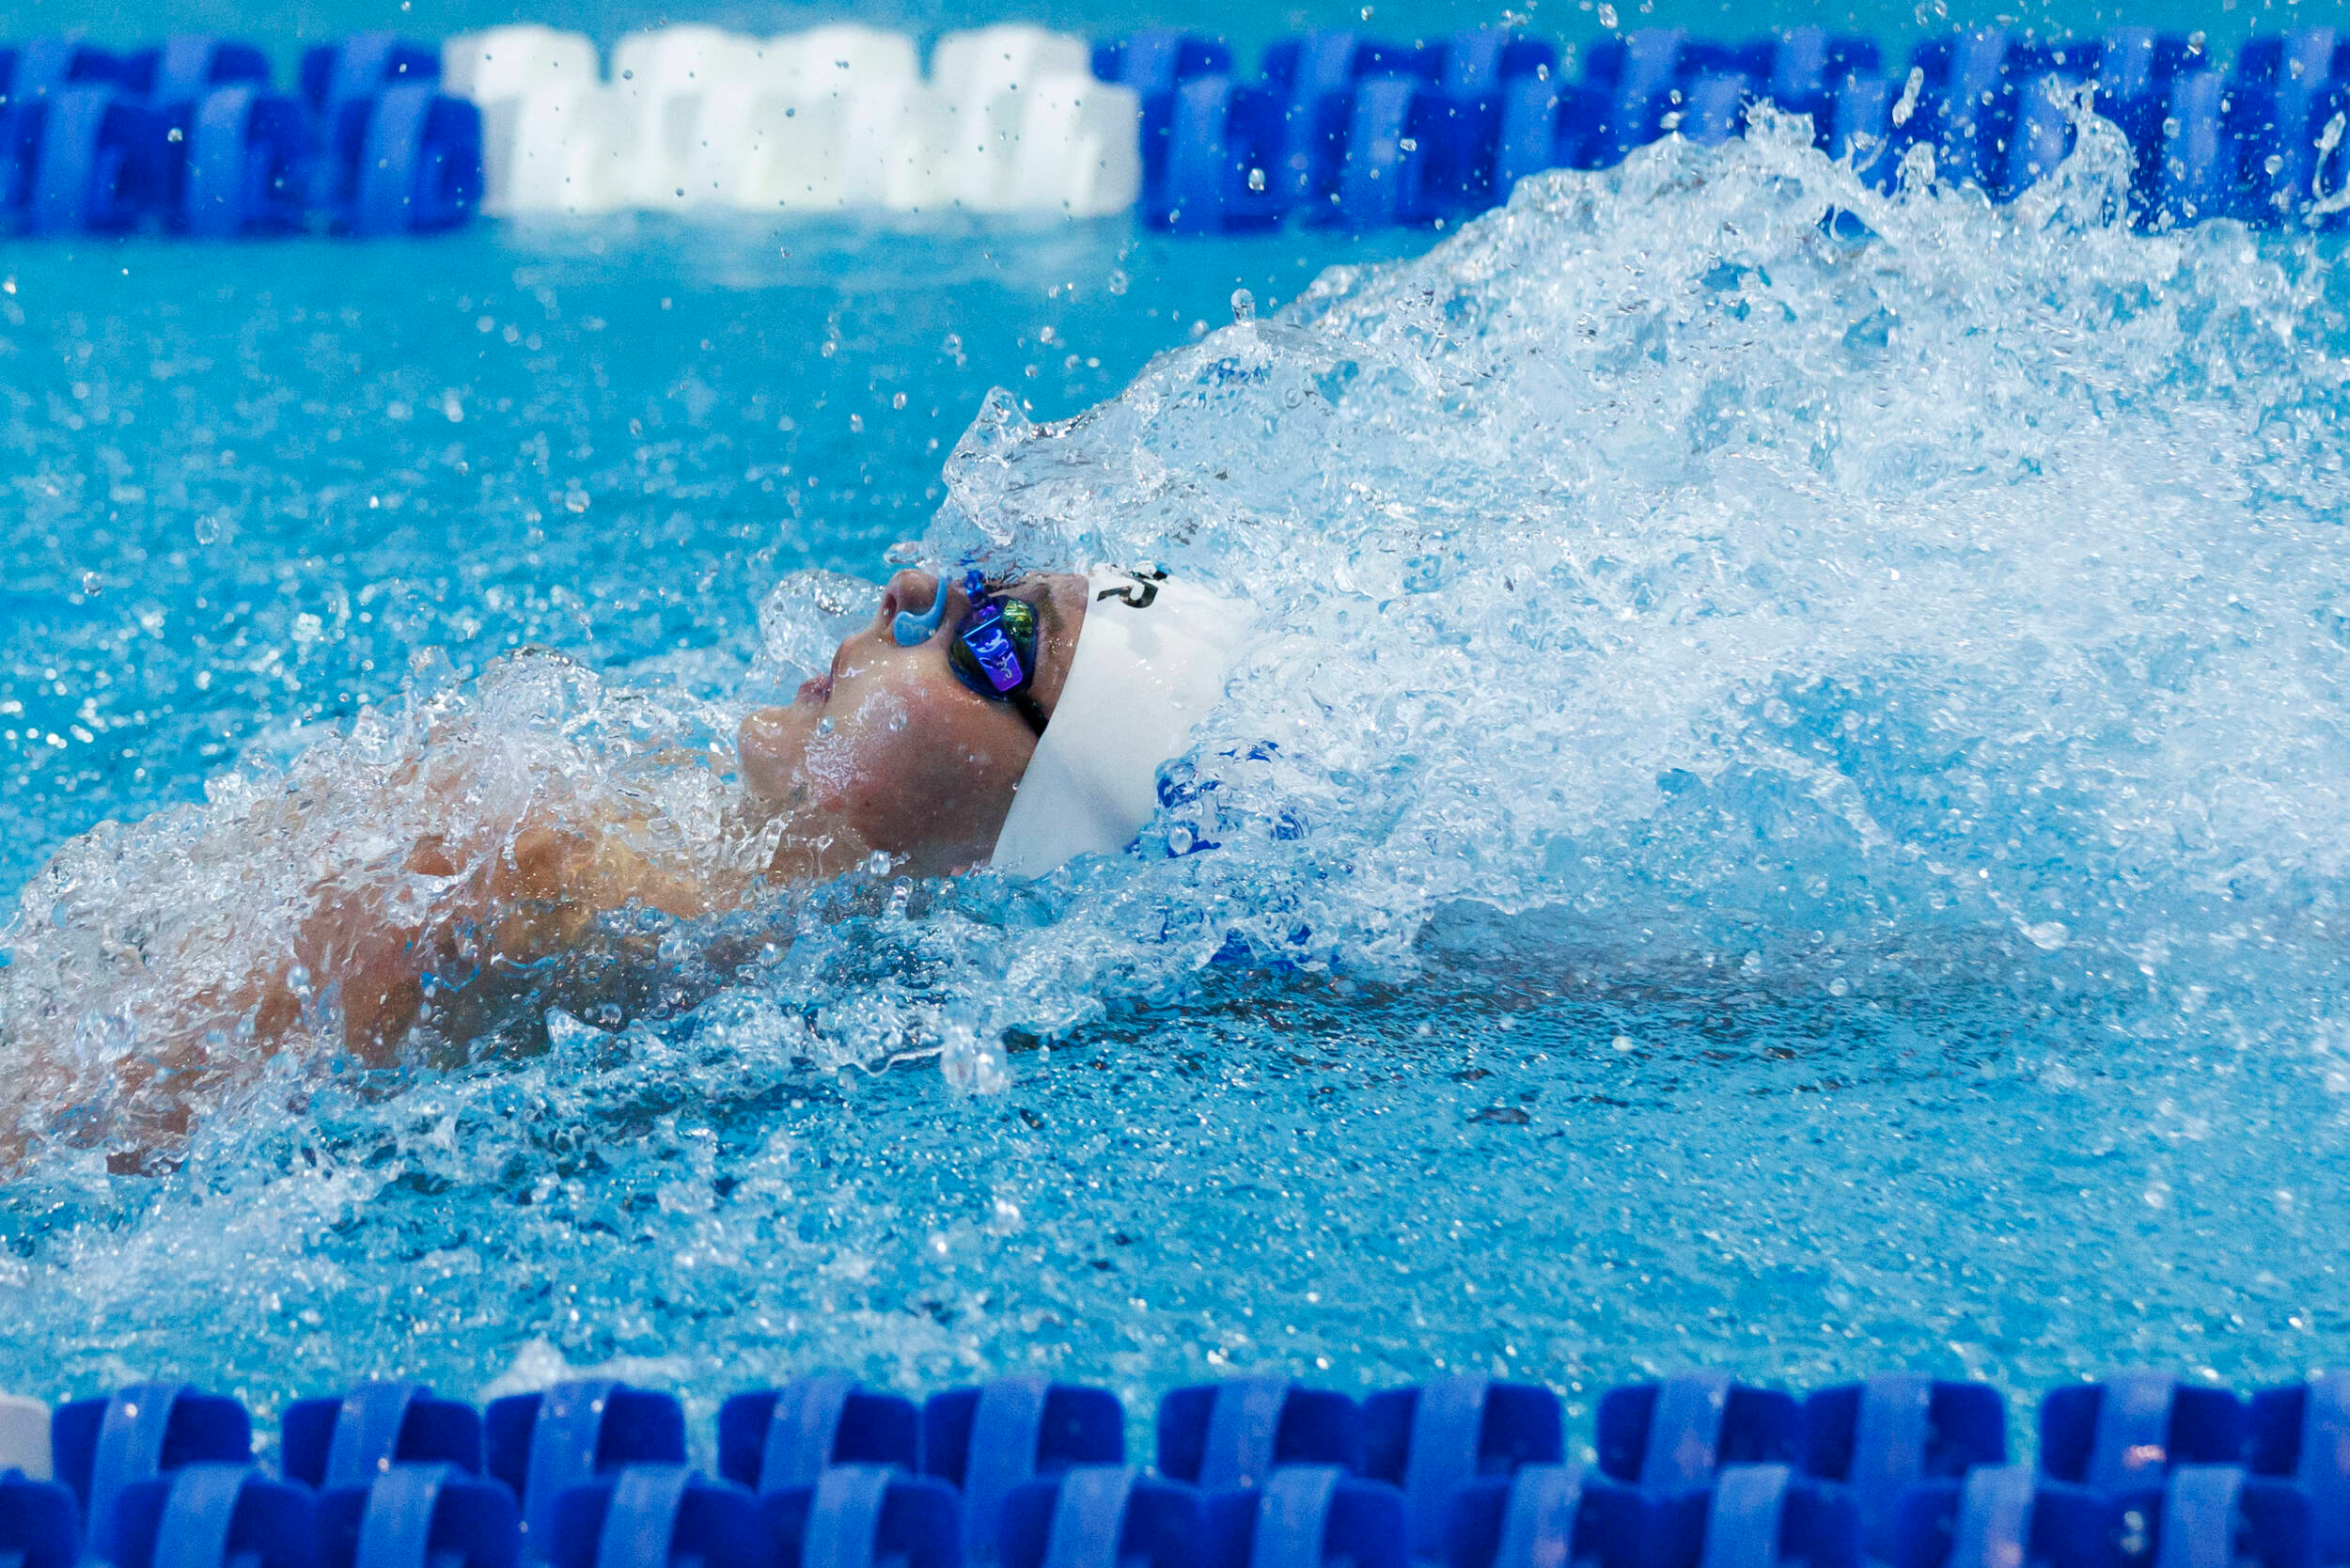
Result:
pixel 816 690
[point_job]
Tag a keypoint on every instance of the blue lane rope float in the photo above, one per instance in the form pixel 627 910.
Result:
pixel 1882 1436
pixel 1310 1516
pixel 1237 1432
pixel 332 1443
pixel 2303 1433
pixel 1678 1432
pixel 864 1516
pixel 105 1445
pixel 213 1513
pixel 2141 1470
pixel 773 1438
pixel 420 1516
pixel 1432 1439
pixel 654 1515
pixel 990 1440
pixel 188 137
pixel 1336 128
pixel 544 1445
pixel 1331 129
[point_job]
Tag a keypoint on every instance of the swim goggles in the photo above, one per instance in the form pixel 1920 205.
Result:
pixel 993 647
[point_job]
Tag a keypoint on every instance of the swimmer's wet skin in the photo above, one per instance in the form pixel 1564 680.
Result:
pixel 916 744
pixel 889 750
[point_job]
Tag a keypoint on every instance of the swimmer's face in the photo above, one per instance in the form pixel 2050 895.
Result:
pixel 889 751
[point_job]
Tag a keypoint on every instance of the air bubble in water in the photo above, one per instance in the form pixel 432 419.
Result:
pixel 1256 179
pixel 207 530
pixel 1244 307
pixel 1117 280
pixel 905 552
pixel 575 501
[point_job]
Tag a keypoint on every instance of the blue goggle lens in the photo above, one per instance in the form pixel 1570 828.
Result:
pixel 994 651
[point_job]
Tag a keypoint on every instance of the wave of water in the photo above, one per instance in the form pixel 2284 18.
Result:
pixel 1709 584
pixel 1739 594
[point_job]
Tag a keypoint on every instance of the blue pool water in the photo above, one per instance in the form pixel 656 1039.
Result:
pixel 1790 813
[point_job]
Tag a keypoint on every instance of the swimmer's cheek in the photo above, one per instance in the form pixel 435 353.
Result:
pixel 768 749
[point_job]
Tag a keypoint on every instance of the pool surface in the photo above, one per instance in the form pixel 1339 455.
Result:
pixel 1789 815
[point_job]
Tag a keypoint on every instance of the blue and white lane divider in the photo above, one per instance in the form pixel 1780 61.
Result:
pixel 390 135
pixel 1466 1472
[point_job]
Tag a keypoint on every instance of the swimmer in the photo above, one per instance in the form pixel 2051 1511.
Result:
pixel 1016 723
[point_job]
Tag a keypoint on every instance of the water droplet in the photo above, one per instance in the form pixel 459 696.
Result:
pixel 207 530
pixel 1256 179
pixel 905 552
pixel 1244 307
pixel 1117 280
pixel 824 726
pixel 897 723
pixel 575 501
pixel 1608 16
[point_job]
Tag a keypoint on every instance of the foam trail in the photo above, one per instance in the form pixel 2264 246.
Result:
pixel 1649 556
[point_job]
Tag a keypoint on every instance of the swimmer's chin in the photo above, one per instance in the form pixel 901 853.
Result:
pixel 770 745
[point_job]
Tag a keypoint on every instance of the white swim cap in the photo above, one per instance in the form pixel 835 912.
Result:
pixel 1151 660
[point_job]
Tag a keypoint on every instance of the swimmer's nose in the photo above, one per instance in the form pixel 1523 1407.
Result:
pixel 912 606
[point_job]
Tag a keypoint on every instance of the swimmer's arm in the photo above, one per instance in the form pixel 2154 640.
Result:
pixel 535 892
pixel 533 896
